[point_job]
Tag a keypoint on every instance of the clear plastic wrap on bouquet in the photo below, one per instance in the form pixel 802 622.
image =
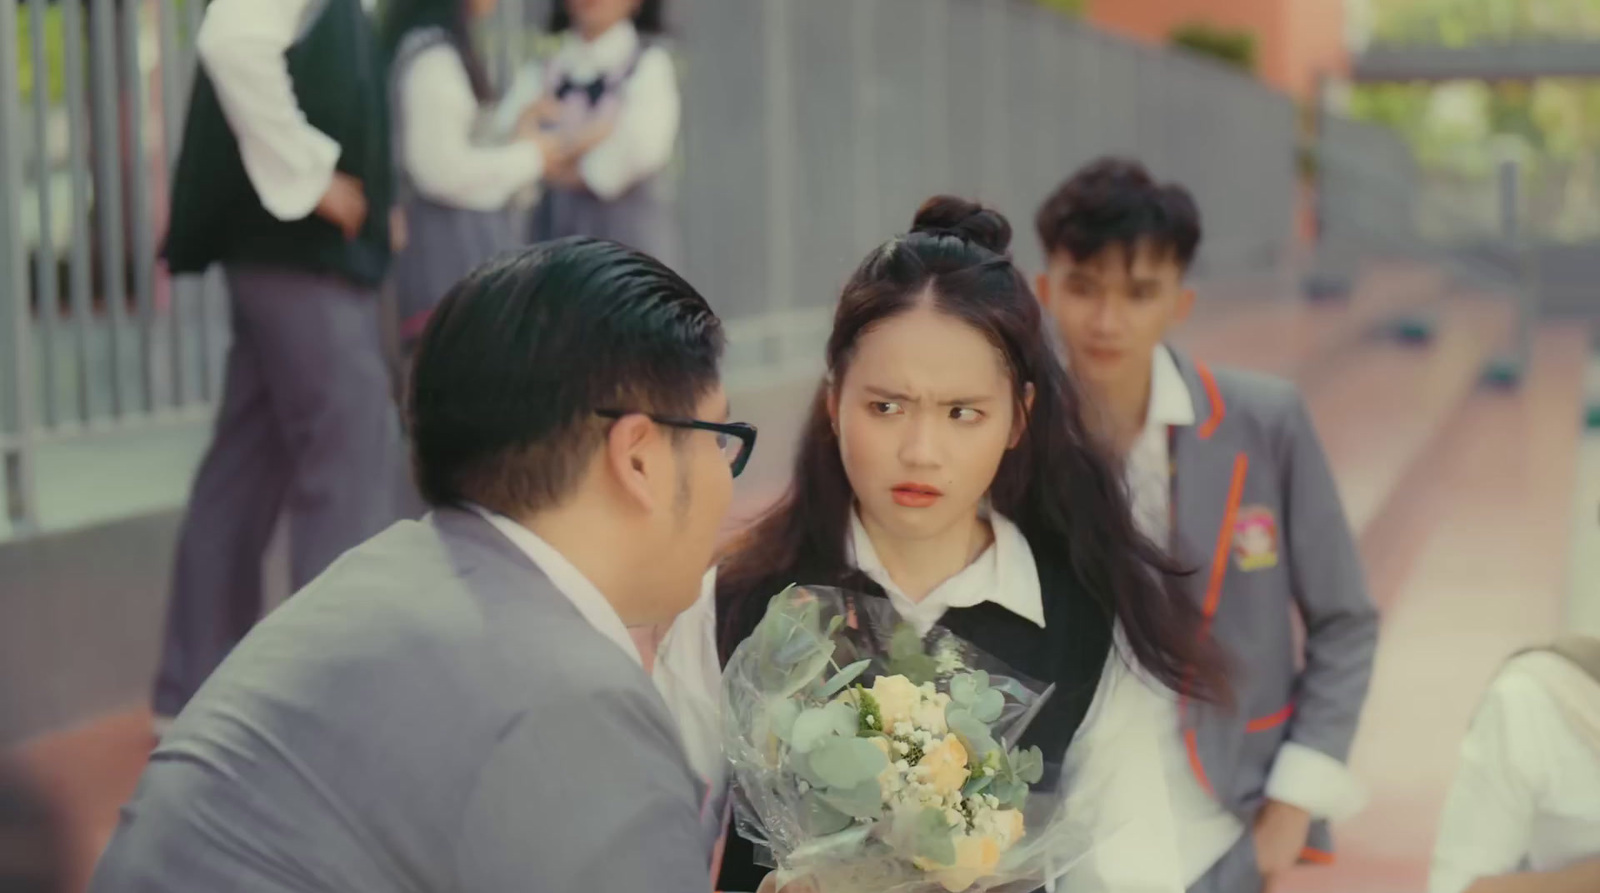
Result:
pixel 872 759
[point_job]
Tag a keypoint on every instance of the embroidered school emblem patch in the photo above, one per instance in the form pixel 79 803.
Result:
pixel 1255 538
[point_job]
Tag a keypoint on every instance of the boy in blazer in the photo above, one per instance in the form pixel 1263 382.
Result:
pixel 1224 468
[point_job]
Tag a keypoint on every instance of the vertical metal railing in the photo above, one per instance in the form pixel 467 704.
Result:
pixel 140 238
pixel 44 253
pixel 80 283
pixel 997 100
pixel 112 223
pixel 16 388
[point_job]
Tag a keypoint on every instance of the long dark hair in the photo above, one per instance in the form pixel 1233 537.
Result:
pixel 650 19
pixel 401 17
pixel 1060 485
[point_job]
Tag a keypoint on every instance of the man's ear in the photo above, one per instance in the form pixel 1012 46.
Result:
pixel 636 457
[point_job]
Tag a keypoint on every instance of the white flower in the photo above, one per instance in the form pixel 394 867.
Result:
pixel 896 698
pixel 929 715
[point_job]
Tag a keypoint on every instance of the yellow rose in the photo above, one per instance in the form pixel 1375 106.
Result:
pixel 1004 825
pixel 976 857
pixel 946 765
pixel 896 698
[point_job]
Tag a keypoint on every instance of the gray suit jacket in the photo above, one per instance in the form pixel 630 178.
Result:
pixel 1257 514
pixel 429 715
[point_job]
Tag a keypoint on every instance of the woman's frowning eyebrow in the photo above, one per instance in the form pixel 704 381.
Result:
pixel 898 397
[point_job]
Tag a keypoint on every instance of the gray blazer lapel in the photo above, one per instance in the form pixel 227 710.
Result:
pixel 1208 480
pixel 1209 470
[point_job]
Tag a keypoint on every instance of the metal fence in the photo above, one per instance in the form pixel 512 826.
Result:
pixel 812 130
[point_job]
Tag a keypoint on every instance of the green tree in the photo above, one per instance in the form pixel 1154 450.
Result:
pixel 1230 46
pixel 1070 7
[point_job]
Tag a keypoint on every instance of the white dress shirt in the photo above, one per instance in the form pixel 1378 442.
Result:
pixel 646 123
pixel 1299 776
pixel 568 580
pixel 443 157
pixel 1112 770
pixel 1526 796
pixel 242 44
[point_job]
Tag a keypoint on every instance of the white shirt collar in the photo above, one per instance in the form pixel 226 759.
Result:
pixel 568 580
pixel 1004 574
pixel 1170 400
pixel 606 54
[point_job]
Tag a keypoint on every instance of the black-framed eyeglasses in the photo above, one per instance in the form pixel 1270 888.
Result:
pixel 737 440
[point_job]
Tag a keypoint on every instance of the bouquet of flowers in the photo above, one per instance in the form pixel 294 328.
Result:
pixel 871 758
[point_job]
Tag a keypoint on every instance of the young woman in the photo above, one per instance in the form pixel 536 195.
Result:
pixel 456 186
pixel 609 83
pixel 946 466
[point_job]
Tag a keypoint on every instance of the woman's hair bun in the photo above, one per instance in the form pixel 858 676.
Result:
pixel 967 220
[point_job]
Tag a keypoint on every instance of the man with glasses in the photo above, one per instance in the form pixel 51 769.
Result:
pixel 457 704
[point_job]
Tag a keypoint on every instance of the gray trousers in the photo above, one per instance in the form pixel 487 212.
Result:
pixel 307 427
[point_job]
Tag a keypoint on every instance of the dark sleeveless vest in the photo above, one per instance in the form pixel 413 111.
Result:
pixel 1070 651
pixel 217 217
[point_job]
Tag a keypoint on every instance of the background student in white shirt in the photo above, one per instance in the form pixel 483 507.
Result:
pixel 1225 468
pixel 609 75
pixel 1524 812
pixel 457 181
pixel 946 466
pixel 285 179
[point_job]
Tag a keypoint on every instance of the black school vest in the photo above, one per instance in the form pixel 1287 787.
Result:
pixel 338 74
pixel 1070 651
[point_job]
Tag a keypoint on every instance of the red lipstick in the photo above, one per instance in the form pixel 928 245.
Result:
pixel 916 496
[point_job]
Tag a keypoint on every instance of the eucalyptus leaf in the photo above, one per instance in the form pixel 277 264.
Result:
pixel 931 838
pixel 963 689
pixel 904 642
pixel 844 677
pixel 819 817
pixel 976 785
pixel 802 769
pixel 1027 766
pixel 816 724
pixel 988 706
pixel 973 734
pixel 844 763
pixel 1011 792
pixel 918 668
pixel 782 714
pixel 789 680
pixel 802 649
pixel 864 801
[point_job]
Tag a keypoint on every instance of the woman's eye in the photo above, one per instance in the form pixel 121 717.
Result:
pixel 882 407
pixel 965 414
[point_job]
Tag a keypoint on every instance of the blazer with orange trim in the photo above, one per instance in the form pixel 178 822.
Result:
pixel 1256 513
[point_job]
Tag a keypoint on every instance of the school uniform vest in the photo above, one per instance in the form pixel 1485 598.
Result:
pixel 446 242
pixel 217 217
pixel 1070 651
pixel 641 218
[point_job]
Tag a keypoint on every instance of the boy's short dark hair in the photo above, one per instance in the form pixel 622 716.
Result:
pixel 1115 201
pixel 521 355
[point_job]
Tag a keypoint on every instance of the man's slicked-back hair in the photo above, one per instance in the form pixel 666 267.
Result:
pixel 521 355
pixel 1115 201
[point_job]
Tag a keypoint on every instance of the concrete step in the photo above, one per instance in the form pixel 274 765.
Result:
pixel 1487 521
